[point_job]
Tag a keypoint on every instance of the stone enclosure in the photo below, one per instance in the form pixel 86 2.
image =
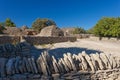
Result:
pixel 17 63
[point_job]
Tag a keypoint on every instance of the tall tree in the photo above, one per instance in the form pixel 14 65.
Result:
pixel 39 24
pixel 9 23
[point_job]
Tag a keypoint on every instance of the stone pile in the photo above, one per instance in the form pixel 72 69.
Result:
pixel 16 63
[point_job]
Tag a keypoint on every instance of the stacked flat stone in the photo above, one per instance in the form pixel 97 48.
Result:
pixel 81 62
pixel 17 65
pixel 70 66
pixel 7 50
pixel 23 49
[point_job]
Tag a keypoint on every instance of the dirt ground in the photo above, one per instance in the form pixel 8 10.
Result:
pixel 87 45
pixel 108 47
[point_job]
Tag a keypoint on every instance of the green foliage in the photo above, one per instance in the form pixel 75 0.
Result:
pixel 1 29
pixel 107 27
pixel 79 31
pixel 2 24
pixel 41 23
pixel 9 23
pixel 90 31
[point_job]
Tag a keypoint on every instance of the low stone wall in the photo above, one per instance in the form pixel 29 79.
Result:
pixel 79 36
pixel 9 39
pixel 80 66
pixel 70 67
pixel 103 38
pixel 35 39
pixel 48 40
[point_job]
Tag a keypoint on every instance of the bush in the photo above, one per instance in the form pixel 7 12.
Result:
pixel 41 23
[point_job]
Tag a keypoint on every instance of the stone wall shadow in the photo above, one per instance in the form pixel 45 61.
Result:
pixel 58 52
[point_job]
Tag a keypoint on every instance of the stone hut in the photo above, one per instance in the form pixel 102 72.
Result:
pixel 19 31
pixel 12 31
pixel 51 31
pixel 30 32
pixel 68 31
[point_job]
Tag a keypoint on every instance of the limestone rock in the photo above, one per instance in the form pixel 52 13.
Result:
pixel 65 65
pixel 19 77
pixel 56 76
pixel 30 64
pixel 89 60
pixel 34 65
pixel 105 60
pixel 61 66
pixel 94 62
pixel 83 62
pixel 99 61
pixel 38 65
pixel 2 67
pixel 43 64
pixel 117 59
pixel 71 61
pixel 17 64
pixel 55 65
pixel 67 62
pixel 10 66
pixel 112 60
pixel 28 69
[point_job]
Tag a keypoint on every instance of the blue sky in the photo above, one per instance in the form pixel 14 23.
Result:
pixel 66 13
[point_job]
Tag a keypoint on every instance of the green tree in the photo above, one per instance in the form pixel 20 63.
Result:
pixel 107 27
pixel 79 30
pixel 115 29
pixel 9 23
pixel 90 31
pixel 39 24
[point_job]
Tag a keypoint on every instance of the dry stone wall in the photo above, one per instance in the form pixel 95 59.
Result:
pixel 103 38
pixel 9 39
pixel 35 39
pixel 69 67
pixel 9 50
pixel 48 40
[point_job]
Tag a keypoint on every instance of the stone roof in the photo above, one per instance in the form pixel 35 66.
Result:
pixel 51 31
pixel 18 31
pixel 12 31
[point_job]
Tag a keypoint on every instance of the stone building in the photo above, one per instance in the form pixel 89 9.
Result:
pixel 68 31
pixel 12 31
pixel 30 32
pixel 51 31
pixel 19 31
